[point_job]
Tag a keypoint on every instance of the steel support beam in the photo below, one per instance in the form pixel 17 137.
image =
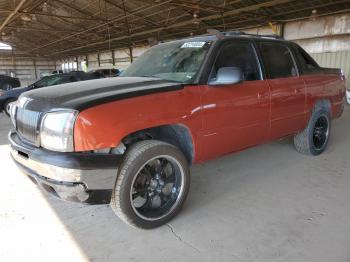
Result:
pixel 118 18
pixel 113 57
pixel 184 23
pixel 14 12
pixel 53 15
pixel 35 70
pixel 131 54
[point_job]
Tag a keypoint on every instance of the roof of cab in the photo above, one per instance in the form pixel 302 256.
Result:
pixel 214 35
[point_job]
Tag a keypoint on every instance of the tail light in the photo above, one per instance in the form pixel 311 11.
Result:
pixel 342 75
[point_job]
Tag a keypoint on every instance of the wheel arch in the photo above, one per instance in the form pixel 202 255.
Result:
pixel 178 135
pixel 322 104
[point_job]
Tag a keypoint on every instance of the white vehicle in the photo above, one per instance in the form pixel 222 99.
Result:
pixel 348 95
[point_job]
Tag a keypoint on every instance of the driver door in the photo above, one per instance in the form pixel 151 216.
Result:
pixel 235 116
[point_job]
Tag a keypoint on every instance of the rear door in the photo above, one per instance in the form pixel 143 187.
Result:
pixel 287 89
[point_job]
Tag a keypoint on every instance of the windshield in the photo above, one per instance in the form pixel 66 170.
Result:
pixel 179 61
pixel 53 80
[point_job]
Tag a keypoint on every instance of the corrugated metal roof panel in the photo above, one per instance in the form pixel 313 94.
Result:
pixel 67 27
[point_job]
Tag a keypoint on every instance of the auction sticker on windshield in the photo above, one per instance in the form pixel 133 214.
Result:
pixel 193 45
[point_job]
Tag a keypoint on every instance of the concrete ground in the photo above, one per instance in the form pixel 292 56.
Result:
pixel 268 203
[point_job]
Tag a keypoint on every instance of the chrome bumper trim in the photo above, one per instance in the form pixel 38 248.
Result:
pixel 48 171
pixel 99 179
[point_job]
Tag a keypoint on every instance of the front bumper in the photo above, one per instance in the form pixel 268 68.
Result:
pixel 79 177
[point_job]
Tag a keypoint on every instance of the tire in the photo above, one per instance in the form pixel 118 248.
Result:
pixel 6 108
pixel 139 181
pixel 313 140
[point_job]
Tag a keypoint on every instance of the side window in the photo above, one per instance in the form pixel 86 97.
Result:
pixel 52 80
pixel 306 61
pixel 278 60
pixel 65 79
pixel 42 82
pixel 241 55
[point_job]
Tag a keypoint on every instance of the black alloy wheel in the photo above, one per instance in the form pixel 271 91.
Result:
pixel 156 187
pixel 314 138
pixel 320 132
pixel 151 185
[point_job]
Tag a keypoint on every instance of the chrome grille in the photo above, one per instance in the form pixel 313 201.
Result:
pixel 27 125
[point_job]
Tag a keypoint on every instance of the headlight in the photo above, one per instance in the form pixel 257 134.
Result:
pixel 56 132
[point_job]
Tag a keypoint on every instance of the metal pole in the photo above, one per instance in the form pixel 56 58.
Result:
pixel 131 55
pixel 14 63
pixel 35 71
pixel 113 58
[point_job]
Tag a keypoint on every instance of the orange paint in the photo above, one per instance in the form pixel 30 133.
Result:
pixel 221 119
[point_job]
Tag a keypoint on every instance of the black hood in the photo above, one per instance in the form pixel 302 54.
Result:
pixel 85 94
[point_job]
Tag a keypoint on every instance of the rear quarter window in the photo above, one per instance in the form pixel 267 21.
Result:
pixel 307 63
pixel 277 60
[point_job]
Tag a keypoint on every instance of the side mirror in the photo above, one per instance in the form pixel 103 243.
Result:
pixel 227 75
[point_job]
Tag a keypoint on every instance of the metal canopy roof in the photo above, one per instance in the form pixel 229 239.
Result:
pixel 61 28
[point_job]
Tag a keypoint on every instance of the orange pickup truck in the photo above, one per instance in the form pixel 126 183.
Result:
pixel 129 141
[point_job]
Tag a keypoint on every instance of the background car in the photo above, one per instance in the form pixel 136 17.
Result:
pixel 55 72
pixel 49 73
pixel 8 82
pixel 111 72
pixel 9 96
pixel 348 95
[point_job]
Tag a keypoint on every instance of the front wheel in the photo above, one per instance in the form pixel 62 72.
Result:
pixel 314 139
pixel 152 184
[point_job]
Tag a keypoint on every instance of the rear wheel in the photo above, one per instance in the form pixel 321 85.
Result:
pixel 152 184
pixel 314 139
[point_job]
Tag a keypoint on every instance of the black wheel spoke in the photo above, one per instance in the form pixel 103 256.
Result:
pixel 169 179
pixel 320 132
pixel 139 193
pixel 147 170
pixel 170 176
pixel 163 197
pixel 156 183
pixel 147 204
pixel 161 166
pixel 135 195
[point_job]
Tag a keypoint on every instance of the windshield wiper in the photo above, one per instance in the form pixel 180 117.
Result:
pixel 151 76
